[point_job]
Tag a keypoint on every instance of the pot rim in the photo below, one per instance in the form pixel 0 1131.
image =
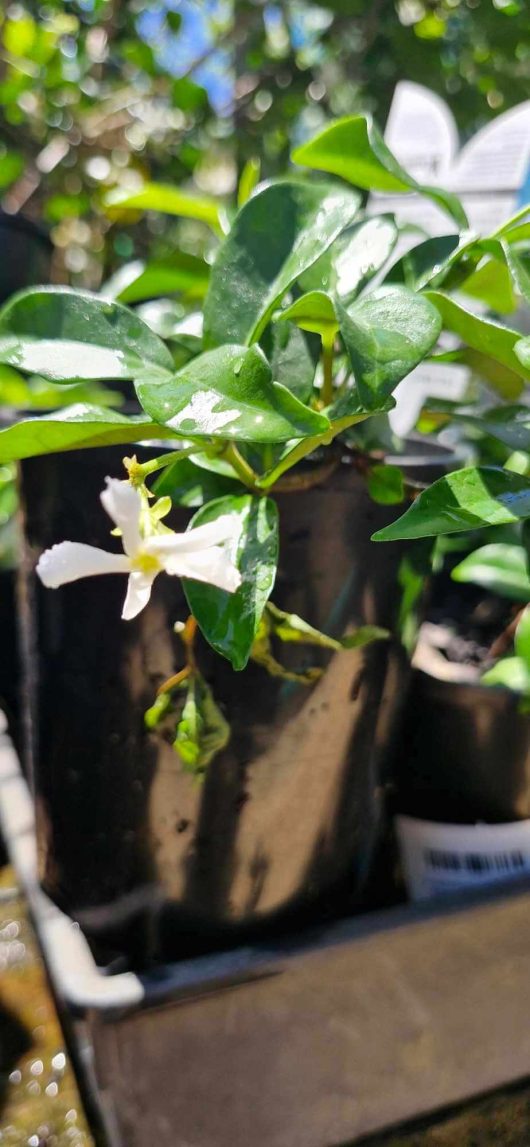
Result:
pixel 17 222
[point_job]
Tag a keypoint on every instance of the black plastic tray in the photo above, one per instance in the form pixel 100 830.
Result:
pixel 312 1042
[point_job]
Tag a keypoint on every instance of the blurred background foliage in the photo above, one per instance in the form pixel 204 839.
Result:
pixel 102 96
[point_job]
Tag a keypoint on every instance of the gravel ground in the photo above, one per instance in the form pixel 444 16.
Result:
pixel 39 1101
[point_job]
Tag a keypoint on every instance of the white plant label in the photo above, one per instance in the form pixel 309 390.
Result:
pixel 490 174
pixel 442 858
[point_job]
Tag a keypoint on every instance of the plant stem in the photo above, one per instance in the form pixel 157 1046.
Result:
pixel 139 471
pixel 245 472
pixel 327 367
pixel 305 447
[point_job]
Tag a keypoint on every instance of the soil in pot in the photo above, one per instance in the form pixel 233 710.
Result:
pixel 283 828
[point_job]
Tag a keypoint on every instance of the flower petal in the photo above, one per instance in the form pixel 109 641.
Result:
pixel 123 504
pixel 224 529
pixel 212 566
pixel 69 561
pixel 138 594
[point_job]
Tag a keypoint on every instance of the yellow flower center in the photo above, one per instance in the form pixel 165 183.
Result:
pixel 146 563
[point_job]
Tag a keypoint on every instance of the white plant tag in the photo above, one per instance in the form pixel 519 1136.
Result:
pixel 490 174
pixel 444 858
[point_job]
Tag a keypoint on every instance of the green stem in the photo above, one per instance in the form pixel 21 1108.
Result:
pixel 245 472
pixel 327 367
pixel 139 471
pixel 305 447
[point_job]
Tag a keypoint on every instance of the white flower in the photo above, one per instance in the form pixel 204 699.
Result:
pixel 201 553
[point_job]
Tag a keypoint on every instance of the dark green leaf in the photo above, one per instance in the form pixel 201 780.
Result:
pixel 354 148
pixel 74 336
pixel 291 361
pixel 386 334
pixel 428 262
pixel 74 428
pixel 229 393
pixel 190 485
pixel 229 621
pixel 466 500
pixel 275 237
pixel 499 567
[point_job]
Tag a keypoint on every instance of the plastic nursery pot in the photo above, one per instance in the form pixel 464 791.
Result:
pixel 8 656
pixel 25 251
pixel 153 863
pixel 465 753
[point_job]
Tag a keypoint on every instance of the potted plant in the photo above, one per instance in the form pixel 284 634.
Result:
pixel 461 773
pixel 212 766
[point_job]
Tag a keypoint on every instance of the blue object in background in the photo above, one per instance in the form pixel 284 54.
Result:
pixel 196 36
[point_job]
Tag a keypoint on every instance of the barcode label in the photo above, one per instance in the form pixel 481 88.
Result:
pixel 441 858
pixel 473 861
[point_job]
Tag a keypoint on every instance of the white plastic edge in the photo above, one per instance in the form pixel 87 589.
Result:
pixel 75 975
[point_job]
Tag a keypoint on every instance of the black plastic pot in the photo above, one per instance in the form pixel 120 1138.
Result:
pixel 25 254
pixel 283 829
pixel 8 656
pixel 465 753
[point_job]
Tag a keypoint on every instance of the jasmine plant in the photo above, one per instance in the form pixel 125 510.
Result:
pixel 310 319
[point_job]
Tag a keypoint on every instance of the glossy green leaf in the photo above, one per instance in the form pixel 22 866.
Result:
pixel 229 393
pixel 188 484
pixel 498 567
pixel 261 259
pixel 386 334
pixel 428 262
pixel 183 273
pixel 291 360
pixel 354 148
pixel 466 500
pixel 353 259
pixel 488 338
pixel 361 253
pixel 168 200
pixel 313 312
pixel 75 336
pixel 229 621
pixel 74 428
